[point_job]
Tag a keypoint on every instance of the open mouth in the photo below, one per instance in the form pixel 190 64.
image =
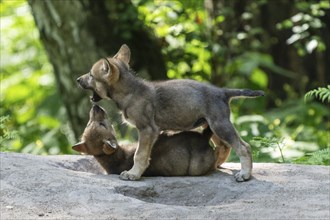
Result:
pixel 98 109
pixel 95 97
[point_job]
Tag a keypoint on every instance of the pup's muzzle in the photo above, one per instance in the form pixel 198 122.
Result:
pixel 81 82
pixel 99 112
pixel 97 108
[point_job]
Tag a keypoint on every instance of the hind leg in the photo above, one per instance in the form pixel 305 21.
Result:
pixel 225 131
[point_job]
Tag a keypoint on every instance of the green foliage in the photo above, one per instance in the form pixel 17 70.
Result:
pixel 306 25
pixel 320 157
pixel 178 27
pixel 270 142
pixel 5 134
pixel 287 133
pixel 322 94
pixel 28 93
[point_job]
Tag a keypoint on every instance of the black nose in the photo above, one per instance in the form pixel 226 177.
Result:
pixel 78 79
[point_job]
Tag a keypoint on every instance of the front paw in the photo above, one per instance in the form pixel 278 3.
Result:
pixel 126 175
pixel 241 177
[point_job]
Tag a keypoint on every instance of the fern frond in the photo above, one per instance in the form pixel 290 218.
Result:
pixel 321 93
pixel 321 157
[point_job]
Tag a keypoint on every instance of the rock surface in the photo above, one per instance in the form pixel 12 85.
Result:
pixel 73 187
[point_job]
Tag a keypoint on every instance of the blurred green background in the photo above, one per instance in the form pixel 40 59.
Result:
pixel 281 47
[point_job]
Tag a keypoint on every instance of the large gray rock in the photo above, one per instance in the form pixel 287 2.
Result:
pixel 73 187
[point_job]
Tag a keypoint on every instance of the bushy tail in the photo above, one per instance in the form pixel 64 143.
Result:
pixel 245 93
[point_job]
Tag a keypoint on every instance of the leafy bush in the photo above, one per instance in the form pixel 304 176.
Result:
pixel 29 95
pixel 293 131
pixel 306 25
pixel 320 157
pixel 5 133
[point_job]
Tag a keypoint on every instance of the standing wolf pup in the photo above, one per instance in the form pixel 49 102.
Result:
pixel 186 153
pixel 179 105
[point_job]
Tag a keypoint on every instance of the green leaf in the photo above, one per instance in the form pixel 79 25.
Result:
pixel 260 78
pixel 321 93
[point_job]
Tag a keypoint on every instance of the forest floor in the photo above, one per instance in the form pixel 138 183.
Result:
pixel 73 187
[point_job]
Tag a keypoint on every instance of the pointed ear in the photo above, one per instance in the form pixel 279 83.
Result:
pixel 80 147
pixel 109 146
pixel 123 54
pixel 106 66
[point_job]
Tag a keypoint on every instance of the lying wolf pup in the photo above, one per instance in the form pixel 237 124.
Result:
pixel 181 154
pixel 179 105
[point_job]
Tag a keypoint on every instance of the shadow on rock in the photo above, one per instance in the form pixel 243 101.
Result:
pixel 214 189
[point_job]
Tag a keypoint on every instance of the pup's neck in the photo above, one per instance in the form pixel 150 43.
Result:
pixel 117 162
pixel 124 89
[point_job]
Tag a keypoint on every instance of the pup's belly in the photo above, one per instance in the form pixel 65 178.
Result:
pixel 179 123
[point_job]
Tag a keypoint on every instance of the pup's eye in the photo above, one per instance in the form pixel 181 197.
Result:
pixel 103 124
pixel 90 74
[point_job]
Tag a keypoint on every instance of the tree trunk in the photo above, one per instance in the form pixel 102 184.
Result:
pixel 76 33
pixel 220 35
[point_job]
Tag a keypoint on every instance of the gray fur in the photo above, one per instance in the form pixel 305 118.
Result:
pixel 180 105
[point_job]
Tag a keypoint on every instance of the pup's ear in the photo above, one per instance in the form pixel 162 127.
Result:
pixel 80 147
pixel 106 66
pixel 124 54
pixel 109 146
